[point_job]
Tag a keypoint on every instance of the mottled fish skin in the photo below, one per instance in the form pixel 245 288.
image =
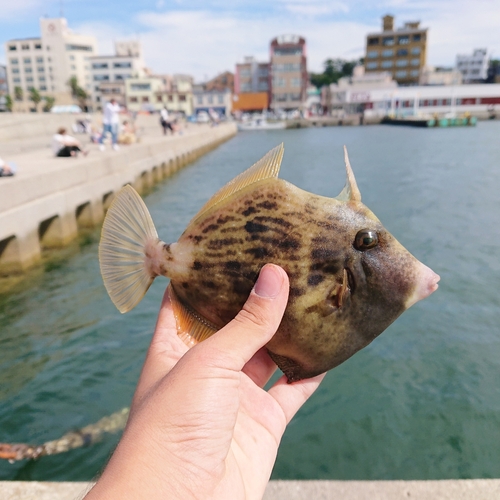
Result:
pixel 215 264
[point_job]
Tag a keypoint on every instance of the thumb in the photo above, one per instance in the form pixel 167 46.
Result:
pixel 255 324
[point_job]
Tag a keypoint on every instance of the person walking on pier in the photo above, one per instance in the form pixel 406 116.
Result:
pixel 110 124
pixel 165 121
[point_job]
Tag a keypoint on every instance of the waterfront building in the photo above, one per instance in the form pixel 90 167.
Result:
pixel 49 61
pixel 176 94
pixel 479 100
pixel 108 73
pixel 250 102
pixel 251 76
pixel 431 75
pixel 402 52
pixel 141 93
pixel 474 68
pixel 289 79
pixel 205 100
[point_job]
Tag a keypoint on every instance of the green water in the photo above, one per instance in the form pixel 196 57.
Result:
pixel 421 402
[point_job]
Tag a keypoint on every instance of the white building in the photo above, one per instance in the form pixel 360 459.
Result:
pixel 48 62
pixel 431 75
pixel 474 68
pixel 108 73
pixel 220 101
pixel 141 93
pixel 479 100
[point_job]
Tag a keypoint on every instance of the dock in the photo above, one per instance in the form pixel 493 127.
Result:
pixel 463 121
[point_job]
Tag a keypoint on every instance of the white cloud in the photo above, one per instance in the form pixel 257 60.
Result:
pixel 10 10
pixel 313 8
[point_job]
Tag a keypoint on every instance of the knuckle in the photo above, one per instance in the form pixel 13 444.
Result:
pixel 251 315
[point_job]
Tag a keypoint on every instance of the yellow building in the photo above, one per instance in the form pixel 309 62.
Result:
pixel 402 52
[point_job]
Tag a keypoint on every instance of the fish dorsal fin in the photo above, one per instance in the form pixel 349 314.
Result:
pixel 191 327
pixel 350 191
pixel 266 168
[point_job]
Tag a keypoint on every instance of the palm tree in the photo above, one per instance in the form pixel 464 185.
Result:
pixel 49 102
pixel 18 93
pixel 35 97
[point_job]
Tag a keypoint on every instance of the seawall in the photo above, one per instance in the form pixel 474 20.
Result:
pixel 50 200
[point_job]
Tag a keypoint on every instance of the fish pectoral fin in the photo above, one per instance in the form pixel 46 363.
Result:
pixel 191 327
pixel 266 168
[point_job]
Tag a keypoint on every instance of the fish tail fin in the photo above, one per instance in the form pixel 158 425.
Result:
pixel 127 234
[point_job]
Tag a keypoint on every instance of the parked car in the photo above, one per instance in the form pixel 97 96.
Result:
pixel 202 117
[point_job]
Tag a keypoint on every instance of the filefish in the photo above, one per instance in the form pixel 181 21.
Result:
pixel 349 277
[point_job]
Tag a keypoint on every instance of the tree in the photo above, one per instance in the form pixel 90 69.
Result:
pixel 18 93
pixel 333 70
pixel 49 102
pixel 9 103
pixel 78 92
pixel 35 97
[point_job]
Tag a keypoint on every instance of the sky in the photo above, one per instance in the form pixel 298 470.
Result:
pixel 206 37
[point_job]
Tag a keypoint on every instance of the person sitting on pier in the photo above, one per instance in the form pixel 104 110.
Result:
pixel 6 170
pixel 64 145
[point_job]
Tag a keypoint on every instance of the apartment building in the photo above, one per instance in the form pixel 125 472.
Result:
pixel 205 100
pixel 110 72
pixel 141 93
pixel 402 52
pixel 4 88
pixel 176 94
pixel 474 68
pixel 49 61
pixel 288 76
pixel 251 76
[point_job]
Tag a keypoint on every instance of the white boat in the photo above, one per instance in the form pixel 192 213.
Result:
pixel 261 124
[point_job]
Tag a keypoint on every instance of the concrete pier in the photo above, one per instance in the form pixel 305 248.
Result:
pixel 465 489
pixel 50 200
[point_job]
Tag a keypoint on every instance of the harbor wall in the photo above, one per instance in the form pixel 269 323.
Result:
pixel 48 208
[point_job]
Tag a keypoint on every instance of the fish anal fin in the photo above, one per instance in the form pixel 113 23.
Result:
pixel 266 168
pixel 191 327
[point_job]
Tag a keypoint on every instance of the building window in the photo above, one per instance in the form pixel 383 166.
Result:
pixel 401 74
pixel 387 53
pixel 87 48
pixel 43 87
pixel 199 99
pixel 417 38
pixel 415 51
pixel 41 78
pixel 14 61
pixel 122 64
pixel 15 70
pixel 295 82
pixel 372 54
pixel 39 59
pixel 100 78
pixel 38 46
pixel 25 46
pixel 159 98
pixel 294 97
pixel 415 62
pixel 246 87
pixel 414 72
pixel 145 98
pixel 182 98
pixel 140 86
pixel 401 63
pixel 133 99
pixel 210 99
pixel 40 69
pixel 171 98
pixel 373 41
pixel 220 99
pixel 386 64
pixel 28 70
pixel 288 51
pixel 402 52
pixel 12 47
pixel 16 80
pixel 100 65
pixel 72 58
pixel 29 79
pixel 388 40
pixel 279 82
pixel 372 65
pixel 404 40
pixel 27 60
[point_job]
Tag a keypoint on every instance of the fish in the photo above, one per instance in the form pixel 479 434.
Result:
pixel 349 277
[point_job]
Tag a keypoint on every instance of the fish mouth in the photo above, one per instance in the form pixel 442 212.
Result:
pixel 342 291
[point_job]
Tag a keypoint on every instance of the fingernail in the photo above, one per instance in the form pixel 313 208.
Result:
pixel 269 283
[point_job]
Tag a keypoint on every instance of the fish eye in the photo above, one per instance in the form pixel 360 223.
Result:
pixel 365 239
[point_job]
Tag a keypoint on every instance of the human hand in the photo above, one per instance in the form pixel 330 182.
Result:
pixel 201 426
